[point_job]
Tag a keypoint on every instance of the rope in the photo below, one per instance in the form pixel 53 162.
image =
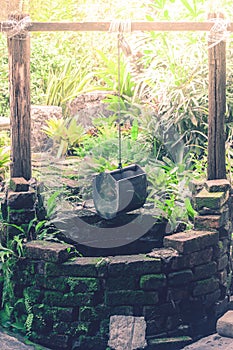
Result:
pixel 218 32
pixel 120 27
pixel 16 28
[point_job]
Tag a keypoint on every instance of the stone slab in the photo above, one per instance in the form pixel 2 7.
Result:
pixel 225 325
pixel 127 332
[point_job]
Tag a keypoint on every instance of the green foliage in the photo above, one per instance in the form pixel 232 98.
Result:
pixel 65 133
pixel 67 81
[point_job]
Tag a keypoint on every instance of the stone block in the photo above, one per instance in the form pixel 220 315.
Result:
pixel 48 251
pixel 180 277
pixel 220 185
pixel 225 325
pixel 211 200
pixel 190 241
pixel 151 282
pixel 205 286
pixel 127 332
pixel 19 184
pixel 21 200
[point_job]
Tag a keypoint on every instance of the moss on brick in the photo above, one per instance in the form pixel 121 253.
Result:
pixel 125 297
pixel 150 282
pixel 122 282
pixel 83 284
pixel 211 200
pixel 68 299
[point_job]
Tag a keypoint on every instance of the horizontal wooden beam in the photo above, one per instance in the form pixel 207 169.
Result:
pixel 104 26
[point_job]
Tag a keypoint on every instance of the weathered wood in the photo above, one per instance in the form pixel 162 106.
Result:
pixel 19 82
pixel 216 168
pixel 104 26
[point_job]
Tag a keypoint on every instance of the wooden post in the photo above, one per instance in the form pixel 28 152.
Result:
pixel 216 168
pixel 19 81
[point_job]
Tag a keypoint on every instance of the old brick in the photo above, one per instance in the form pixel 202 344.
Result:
pixel 125 297
pixel 180 277
pixel 166 309
pixel 128 282
pixel 210 298
pixel 156 326
pixel 122 310
pixel 21 200
pixel 68 299
pixel 19 217
pixel 19 184
pixel 223 277
pixel 204 271
pixel 54 313
pixel 220 185
pixel 200 257
pixel 205 286
pixel 48 251
pixel 222 262
pixel 176 294
pixel 196 186
pixel 212 200
pixel 221 248
pixel 82 267
pixel 211 221
pixel 150 282
pixel 134 264
pixel 191 241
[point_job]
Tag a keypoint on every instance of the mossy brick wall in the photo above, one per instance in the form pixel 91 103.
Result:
pixel 180 289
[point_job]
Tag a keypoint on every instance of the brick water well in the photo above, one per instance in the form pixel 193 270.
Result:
pixel 162 298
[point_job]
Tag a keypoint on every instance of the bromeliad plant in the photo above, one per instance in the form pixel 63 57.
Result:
pixel 65 133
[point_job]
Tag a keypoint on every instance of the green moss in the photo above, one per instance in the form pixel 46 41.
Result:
pixel 153 281
pixel 83 284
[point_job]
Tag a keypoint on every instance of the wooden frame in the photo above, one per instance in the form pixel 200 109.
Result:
pixel 19 58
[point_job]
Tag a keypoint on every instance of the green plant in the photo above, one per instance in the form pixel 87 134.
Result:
pixel 65 83
pixel 169 192
pixel 9 255
pixel 65 133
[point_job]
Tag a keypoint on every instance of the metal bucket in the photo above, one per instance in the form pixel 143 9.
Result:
pixel 119 191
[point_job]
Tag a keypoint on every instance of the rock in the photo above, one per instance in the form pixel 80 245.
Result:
pixel 127 332
pixel 39 115
pixel 225 324
pixel 88 106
